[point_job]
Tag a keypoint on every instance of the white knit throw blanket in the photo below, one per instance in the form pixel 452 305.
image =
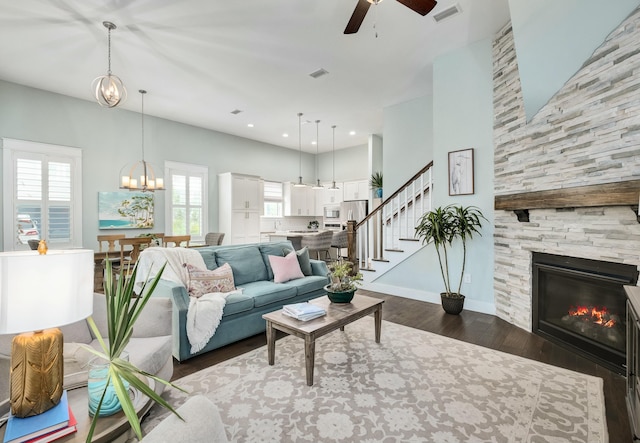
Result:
pixel 204 313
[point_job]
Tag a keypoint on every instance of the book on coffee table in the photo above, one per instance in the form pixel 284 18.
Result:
pixel 20 430
pixel 303 311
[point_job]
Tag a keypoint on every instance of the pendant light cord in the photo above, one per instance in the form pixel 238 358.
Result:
pixel 334 154
pixel 300 147
pixel 317 144
pixel 109 45
pixel 142 92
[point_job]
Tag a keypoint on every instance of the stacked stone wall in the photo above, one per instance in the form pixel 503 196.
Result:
pixel 588 133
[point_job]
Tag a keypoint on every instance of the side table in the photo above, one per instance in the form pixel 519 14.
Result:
pixel 108 429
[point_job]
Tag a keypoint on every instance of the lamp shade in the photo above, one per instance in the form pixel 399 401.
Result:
pixel 44 291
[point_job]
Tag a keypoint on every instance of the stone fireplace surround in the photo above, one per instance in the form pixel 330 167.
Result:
pixel 588 134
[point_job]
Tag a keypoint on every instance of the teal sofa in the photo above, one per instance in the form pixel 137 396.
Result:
pixel 242 315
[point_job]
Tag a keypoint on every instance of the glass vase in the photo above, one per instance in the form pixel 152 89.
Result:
pixel 98 373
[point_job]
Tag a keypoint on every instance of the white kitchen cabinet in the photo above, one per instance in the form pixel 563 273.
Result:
pixel 240 200
pixel 299 201
pixel 332 196
pixel 356 190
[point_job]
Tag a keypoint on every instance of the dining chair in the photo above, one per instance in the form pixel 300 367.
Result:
pixel 214 238
pixel 129 256
pixel 110 240
pixel 177 240
pixel 318 243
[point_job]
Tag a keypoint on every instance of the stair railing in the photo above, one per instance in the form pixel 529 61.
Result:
pixel 393 220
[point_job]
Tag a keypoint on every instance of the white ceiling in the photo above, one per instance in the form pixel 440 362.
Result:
pixel 201 59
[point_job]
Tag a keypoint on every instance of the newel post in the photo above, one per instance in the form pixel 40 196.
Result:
pixel 351 244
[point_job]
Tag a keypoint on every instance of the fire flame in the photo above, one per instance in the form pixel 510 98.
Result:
pixel 593 313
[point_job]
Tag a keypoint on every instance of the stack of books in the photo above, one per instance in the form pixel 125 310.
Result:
pixel 303 311
pixel 48 426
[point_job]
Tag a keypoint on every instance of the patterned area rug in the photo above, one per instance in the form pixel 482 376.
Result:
pixel 413 387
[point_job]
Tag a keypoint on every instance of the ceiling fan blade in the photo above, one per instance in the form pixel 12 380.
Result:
pixel 422 7
pixel 357 17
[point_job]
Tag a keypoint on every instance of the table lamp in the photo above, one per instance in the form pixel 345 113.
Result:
pixel 39 292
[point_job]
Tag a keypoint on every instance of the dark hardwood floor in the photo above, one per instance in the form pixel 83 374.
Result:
pixel 481 329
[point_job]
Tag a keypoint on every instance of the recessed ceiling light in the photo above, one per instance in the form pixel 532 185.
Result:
pixel 250 125
pixel 314 143
pixel 285 135
pixel 352 133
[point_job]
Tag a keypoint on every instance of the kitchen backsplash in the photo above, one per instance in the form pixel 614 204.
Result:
pixel 270 224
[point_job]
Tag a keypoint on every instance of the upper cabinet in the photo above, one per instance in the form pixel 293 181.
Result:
pixel 330 197
pixel 356 190
pixel 299 201
pixel 246 192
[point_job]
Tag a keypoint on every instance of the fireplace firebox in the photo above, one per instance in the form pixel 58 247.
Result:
pixel 580 304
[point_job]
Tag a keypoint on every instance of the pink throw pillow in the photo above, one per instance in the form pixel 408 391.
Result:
pixel 203 281
pixel 285 268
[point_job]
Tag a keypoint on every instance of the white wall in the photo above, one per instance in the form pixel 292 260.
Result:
pixel 553 38
pixel 462 118
pixel 408 140
pixel 110 138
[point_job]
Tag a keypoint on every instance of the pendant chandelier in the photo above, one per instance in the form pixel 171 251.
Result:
pixel 333 186
pixel 300 184
pixel 317 185
pixel 109 89
pixel 141 175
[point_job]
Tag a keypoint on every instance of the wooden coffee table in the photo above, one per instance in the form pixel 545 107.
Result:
pixel 338 315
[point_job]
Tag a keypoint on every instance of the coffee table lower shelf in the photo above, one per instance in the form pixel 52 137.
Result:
pixel 338 315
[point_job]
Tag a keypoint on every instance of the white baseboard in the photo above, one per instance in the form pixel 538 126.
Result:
pixel 430 297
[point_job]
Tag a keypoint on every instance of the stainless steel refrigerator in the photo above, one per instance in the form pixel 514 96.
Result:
pixel 353 210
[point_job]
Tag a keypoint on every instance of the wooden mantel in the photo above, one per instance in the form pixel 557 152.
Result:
pixel 608 194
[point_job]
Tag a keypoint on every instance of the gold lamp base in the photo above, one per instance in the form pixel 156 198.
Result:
pixel 37 372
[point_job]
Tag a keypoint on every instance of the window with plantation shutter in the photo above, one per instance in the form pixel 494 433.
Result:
pixel 186 211
pixel 42 184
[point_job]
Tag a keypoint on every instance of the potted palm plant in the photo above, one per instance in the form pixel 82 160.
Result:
pixel 344 282
pixel 375 183
pixel 123 309
pixel 442 226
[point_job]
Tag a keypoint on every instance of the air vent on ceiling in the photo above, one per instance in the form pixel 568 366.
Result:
pixel 319 73
pixel 447 13
pixel 236 111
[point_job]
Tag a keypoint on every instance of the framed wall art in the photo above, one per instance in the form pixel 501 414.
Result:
pixel 461 172
pixel 125 210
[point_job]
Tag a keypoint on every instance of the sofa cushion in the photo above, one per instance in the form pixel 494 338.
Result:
pixel 209 257
pixel 303 260
pixel 237 302
pixel 285 268
pixel 266 292
pixel 273 248
pixel 307 284
pixel 246 263
pixel 203 281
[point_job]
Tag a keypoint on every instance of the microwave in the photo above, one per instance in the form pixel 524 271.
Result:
pixel 332 212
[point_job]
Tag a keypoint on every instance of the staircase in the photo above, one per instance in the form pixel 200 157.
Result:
pixel 386 237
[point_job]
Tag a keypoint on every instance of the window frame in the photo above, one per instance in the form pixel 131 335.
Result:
pixel 12 150
pixel 188 170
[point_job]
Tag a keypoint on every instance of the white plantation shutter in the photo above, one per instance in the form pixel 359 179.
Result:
pixel 186 212
pixel 42 185
pixel 273 199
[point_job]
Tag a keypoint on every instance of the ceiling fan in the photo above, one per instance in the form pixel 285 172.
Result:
pixel 422 7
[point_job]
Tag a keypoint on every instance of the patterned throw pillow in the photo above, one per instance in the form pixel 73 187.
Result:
pixel 203 281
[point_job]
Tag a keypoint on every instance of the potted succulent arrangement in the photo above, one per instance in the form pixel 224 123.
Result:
pixel 344 282
pixel 123 309
pixel 375 182
pixel 442 226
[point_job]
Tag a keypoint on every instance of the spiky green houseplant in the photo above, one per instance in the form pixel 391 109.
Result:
pixel 442 226
pixel 123 309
